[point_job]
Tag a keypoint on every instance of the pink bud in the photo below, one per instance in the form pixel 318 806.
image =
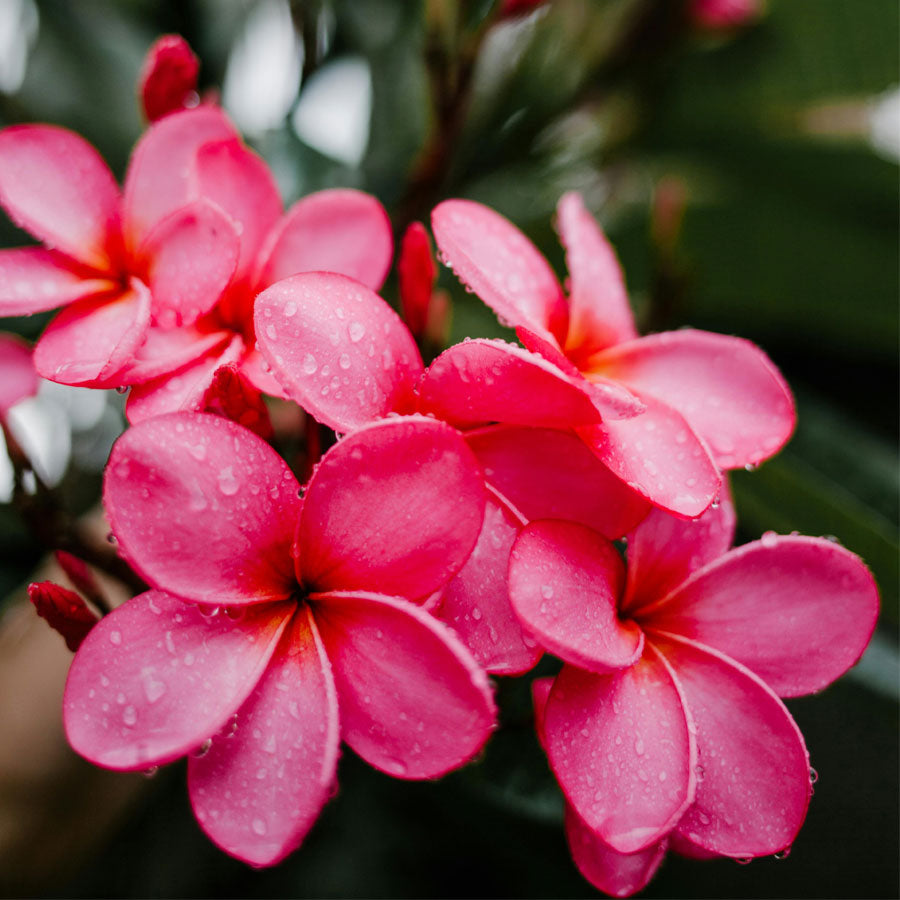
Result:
pixel 64 611
pixel 168 79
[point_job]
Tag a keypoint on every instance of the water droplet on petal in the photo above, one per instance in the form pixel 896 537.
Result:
pixel 258 826
pixel 356 331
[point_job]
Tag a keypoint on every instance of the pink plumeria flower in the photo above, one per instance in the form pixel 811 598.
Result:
pixel 344 355
pixel 117 261
pixel 664 726
pixel 277 626
pixel 709 401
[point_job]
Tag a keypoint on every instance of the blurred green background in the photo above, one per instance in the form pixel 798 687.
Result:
pixel 749 181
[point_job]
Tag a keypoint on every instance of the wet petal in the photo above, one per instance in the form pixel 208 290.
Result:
pixel 231 395
pixel 337 348
pixel 63 610
pixel 797 611
pixel 397 506
pixel 657 455
pixel 483 381
pixel 342 231
pixel 166 350
pixel 492 257
pixel 158 178
pixel 599 312
pixel 259 789
pixel 614 873
pixel 753 787
pixel 564 584
pixel 413 701
pixel 189 258
pixel 239 182
pixel 157 677
pixel 549 474
pixel 17 376
pixel 184 389
pixel 34 280
pixel 203 508
pixel 91 341
pixel 664 549
pixel 726 388
pixel 476 602
pixel 55 185
pixel 168 77
pixel 622 749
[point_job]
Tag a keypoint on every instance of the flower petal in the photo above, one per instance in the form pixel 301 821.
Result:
pixel 614 873
pixel 476 602
pixel 342 231
pixel 91 341
pixel 165 350
pixel 664 549
pixel 550 474
pixel 413 701
pixel 157 677
pixel 599 312
pixel 416 274
pixel 64 611
pixel 726 388
pixel 231 395
pixel 622 748
pixel 337 348
pixel 797 611
pixel 18 379
pixel 158 178
pixel 203 508
pixel 54 184
pixel 754 790
pixel 239 182
pixel 481 381
pixel 168 76
pixel 189 258
pixel 184 389
pixel 261 786
pixel 397 506
pixel 657 455
pixel 492 257
pixel 34 280
pixel 564 584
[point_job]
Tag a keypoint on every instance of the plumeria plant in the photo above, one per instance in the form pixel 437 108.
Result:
pixel 337 530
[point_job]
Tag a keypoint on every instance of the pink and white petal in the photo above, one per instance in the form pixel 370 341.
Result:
pixel 726 388
pixel 261 786
pixel 168 77
pixel 184 389
pixel 622 748
pixel 413 701
pixel 664 550
pixel 481 381
pixel 797 611
pixel 157 677
pixel 55 185
pixel 754 791
pixel 238 181
pixel 342 231
pixel 493 258
pixel 18 378
pixel 416 276
pixel 657 455
pixel 90 342
pixel 599 312
pixel 337 348
pixel 551 474
pixel 158 180
pixel 614 873
pixel 476 602
pixel 612 399
pixel 564 584
pixel 397 505
pixel 188 259
pixel 34 280
pixel 165 350
pixel 203 508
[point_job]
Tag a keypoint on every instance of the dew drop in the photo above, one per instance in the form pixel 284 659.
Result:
pixel 129 715
pixel 356 331
pixel 344 361
pixel 290 309
pixel 258 826
pixel 769 539
pixel 271 333
pixel 115 637
pixel 546 591
pixel 228 484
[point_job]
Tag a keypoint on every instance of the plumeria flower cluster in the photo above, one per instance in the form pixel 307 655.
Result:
pixel 463 522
